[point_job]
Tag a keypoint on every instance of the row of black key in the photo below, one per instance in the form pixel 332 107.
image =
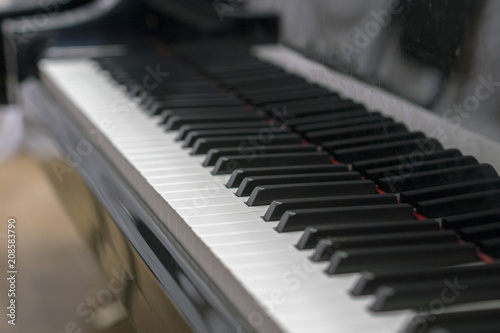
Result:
pixel 446 242
pixel 343 218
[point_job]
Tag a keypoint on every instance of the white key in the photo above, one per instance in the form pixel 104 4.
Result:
pixel 172 172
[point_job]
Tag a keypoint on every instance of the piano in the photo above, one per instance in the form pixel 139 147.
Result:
pixel 262 166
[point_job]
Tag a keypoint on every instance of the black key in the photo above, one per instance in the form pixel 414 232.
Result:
pixel 175 122
pixel 370 281
pixel 266 80
pixel 404 169
pixel 459 204
pixel 312 236
pixel 265 132
pixel 327 117
pixel 294 107
pixel 152 103
pixel 258 89
pixel 216 65
pixel 480 232
pixel 195 90
pixel 352 132
pixel 251 95
pixel 413 158
pixel 250 183
pixel 277 83
pixel 349 155
pixel 275 94
pixel 280 206
pixel 491 247
pixel 336 120
pixel 286 112
pixel 239 174
pixel 185 129
pixel 248 65
pixel 341 106
pixel 287 96
pixel 228 66
pixel 326 101
pixel 246 84
pixel 265 194
pixel 250 151
pixel 200 96
pixel 433 255
pixel 254 74
pixel 458 291
pixel 227 164
pixel 188 98
pixel 367 140
pixel 328 246
pixel 471 219
pixel 299 219
pixel 158 107
pixel 477 321
pixel 369 119
pixel 262 82
pixel 265 91
pixel 202 146
pixel 232 74
pixel 258 92
pixel 437 192
pixel 283 111
pixel 425 179
pixel 228 78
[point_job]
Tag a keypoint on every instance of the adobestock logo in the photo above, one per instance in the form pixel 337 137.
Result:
pixel 363 36
pixel 458 112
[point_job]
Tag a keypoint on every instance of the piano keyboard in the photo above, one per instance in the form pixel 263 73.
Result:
pixel 310 213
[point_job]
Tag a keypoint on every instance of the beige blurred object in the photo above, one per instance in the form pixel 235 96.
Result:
pixel 56 272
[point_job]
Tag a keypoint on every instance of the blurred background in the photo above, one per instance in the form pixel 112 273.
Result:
pixel 56 272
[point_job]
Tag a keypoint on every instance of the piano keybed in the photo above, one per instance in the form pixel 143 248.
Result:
pixel 318 207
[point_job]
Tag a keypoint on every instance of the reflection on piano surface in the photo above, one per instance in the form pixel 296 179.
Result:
pixel 258 190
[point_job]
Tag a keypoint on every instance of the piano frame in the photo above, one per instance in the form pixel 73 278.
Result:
pixel 168 289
